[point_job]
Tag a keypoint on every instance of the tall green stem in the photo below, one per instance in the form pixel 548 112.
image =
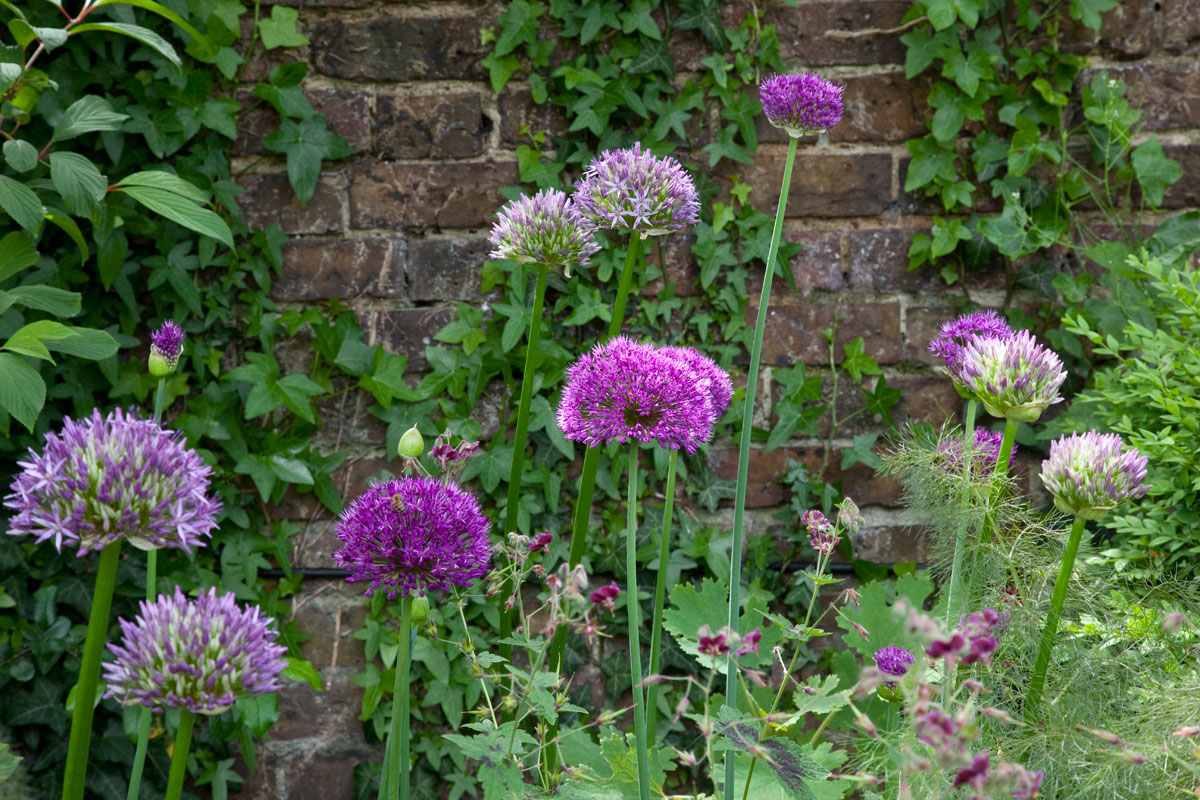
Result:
pixel 660 597
pixel 179 756
pixel 89 673
pixel 968 444
pixel 1000 471
pixel 633 607
pixel 396 782
pixel 1051 630
pixel 739 504
pixel 519 439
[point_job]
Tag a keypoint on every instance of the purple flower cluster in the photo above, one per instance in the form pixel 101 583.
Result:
pixel 803 104
pixel 1091 473
pixel 114 477
pixel 974 641
pixel 894 660
pixel 1014 378
pixel 413 535
pixel 950 741
pixel 606 596
pixel 635 191
pixel 725 640
pixel 983 457
pixel 197 654
pixel 625 390
pixel 822 536
pixel 954 336
pixel 547 228
pixel 166 345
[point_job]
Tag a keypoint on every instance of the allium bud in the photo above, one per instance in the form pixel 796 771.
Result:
pixel 802 105
pixel 635 191
pixel 894 660
pixel 412 444
pixel 547 228
pixel 983 458
pixel 1014 378
pixel 420 609
pixel 1090 474
pixel 166 345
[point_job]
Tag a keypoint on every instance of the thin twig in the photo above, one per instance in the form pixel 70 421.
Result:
pixel 832 34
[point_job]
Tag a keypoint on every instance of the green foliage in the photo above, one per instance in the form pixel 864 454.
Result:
pixel 692 608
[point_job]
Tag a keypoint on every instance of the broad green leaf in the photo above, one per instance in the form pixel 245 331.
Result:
pixel 220 115
pixel 158 179
pixel 22 394
pixel 280 29
pixel 302 671
pixel 58 302
pixel 28 339
pixel 78 181
pixel 71 228
pixel 20 155
pixel 16 253
pixel 88 343
pixel 143 35
pixel 87 114
pixel 9 73
pixel 181 210
pixel 874 613
pixel 692 607
pixel 165 13
pixel 19 201
pixel 1155 172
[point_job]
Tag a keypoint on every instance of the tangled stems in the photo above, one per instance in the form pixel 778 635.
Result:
pixel 1033 700
pixel 632 608
pixel 660 595
pixel 739 504
pixel 179 757
pixel 89 673
pixel 396 783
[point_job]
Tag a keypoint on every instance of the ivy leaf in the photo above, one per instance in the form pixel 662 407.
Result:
pixel 599 16
pixel 882 400
pixel 859 452
pixel 857 362
pixel 490 466
pixel 22 392
pixel 1088 11
pixel 724 147
pixel 306 145
pixel 653 57
pixel 929 161
pixel 922 49
pixel 518 25
pixel 704 16
pixel 1155 172
pixel 637 17
pixel 280 29
pixel 220 115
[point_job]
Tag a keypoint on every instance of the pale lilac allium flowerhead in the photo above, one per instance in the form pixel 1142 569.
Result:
pixel 984 457
pixel 625 390
pixel 166 345
pixel 412 535
pixel 114 477
pixel 894 660
pixel 715 379
pixel 954 335
pixel 547 228
pixel 197 654
pixel 803 104
pixel 1014 378
pixel 1090 473
pixel 635 191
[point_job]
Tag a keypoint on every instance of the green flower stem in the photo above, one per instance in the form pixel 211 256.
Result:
pixel 396 782
pixel 1033 700
pixel 960 542
pixel 1001 470
pixel 89 673
pixel 739 504
pixel 633 608
pixel 179 757
pixel 519 441
pixel 139 758
pixel 660 597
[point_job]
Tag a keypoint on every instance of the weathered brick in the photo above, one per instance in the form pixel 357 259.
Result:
pixel 1129 29
pixel 793 332
pixel 1181 26
pixel 304 711
pixel 922 323
pixel 446 269
pixel 392 195
pixel 824 184
pixel 923 398
pixel 890 544
pixel 319 616
pixel 517 108
pixel 818 267
pixel 346 111
pixel 446 125
pixel 401 49
pixel 317 269
pixel 269 198
pixel 766 469
pixel 882 108
pixel 1185 193
pixel 803 32
pixel 408 331
pixel 1168 94
pixel 326 769
pixel 877 260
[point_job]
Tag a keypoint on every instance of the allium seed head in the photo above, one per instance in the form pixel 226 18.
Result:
pixel 434 538
pixel 954 335
pixel 197 654
pixel 1090 473
pixel 635 191
pixel 894 660
pixel 546 228
pixel 802 105
pixel 1014 378
pixel 113 477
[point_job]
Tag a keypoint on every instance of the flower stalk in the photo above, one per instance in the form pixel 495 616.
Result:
pixel 1038 684
pixel 960 541
pixel 633 607
pixel 179 756
pixel 660 595
pixel 397 784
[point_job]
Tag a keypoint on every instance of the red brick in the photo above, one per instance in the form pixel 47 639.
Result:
pixel 802 32
pixel 446 125
pixel 1181 26
pixel 438 195
pixel 517 108
pixel 346 111
pixel 317 269
pixel 922 323
pixel 269 198
pixel 823 184
pixel 882 108
pixel 794 331
pixel 401 49
pixel 681 265
pixel 766 469
pixel 446 269
pixel 923 398
pixel 818 267
pixel 408 331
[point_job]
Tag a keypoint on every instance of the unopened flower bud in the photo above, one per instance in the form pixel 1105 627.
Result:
pixel 411 443
pixel 166 345
pixel 420 609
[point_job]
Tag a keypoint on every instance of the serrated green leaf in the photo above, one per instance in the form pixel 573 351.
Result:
pixel 59 302
pixel 78 181
pixel 88 343
pixel 22 393
pixel 137 32
pixel 20 202
pixel 20 155
pixel 874 612
pixel 692 608
pixel 28 339
pixel 86 115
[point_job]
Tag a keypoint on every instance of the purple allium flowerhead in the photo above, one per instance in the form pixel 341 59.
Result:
pixel 114 477
pixel 197 654
pixel 546 228
pixel 987 451
pixel 803 104
pixel 625 390
pixel 1014 378
pixel 954 335
pixel 894 660
pixel 635 191
pixel 1090 473
pixel 713 378
pixel 412 535
pixel 166 345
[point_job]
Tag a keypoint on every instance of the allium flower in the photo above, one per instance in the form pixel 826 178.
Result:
pixel 803 104
pixel 166 345
pixel 546 228
pixel 713 378
pixel 635 191
pixel 624 390
pixel 894 660
pixel 113 477
pixel 954 336
pixel 823 538
pixel 197 654
pixel 413 535
pixel 985 455
pixel 1014 378
pixel 1089 474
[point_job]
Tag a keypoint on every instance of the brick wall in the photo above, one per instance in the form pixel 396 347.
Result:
pixel 398 232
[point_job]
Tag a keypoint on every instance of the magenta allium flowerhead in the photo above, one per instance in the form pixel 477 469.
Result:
pixel 546 228
pixel 632 190
pixel 822 536
pixel 197 654
pixel 894 660
pixel 803 104
pixel 413 535
pixel 987 452
pixel 166 345
pixel 1014 378
pixel 954 335
pixel 712 377
pixel 114 477
pixel 625 390
pixel 1090 473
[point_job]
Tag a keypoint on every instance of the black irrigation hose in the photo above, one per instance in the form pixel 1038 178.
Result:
pixel 332 572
